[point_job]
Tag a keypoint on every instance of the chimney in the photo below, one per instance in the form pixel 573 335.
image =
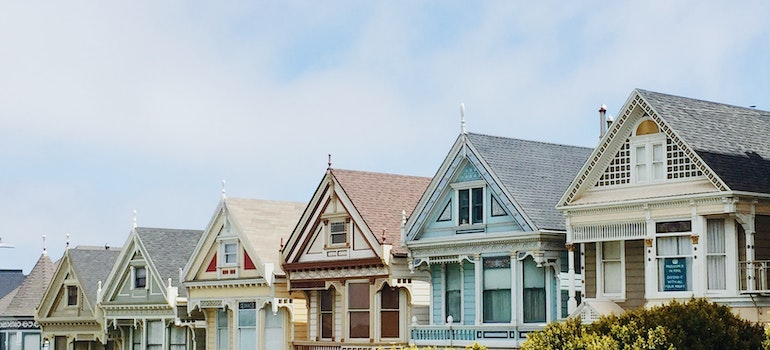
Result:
pixel 602 120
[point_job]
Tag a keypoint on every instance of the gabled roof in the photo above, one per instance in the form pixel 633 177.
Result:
pixel 265 224
pixel 535 174
pixel 23 300
pixel 169 250
pixel 380 198
pixel 91 266
pixel 9 280
pixel 732 140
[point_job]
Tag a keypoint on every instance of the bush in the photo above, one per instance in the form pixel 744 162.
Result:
pixel 697 324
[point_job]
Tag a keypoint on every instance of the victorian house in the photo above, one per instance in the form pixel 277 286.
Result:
pixel 234 276
pixel 346 259
pixel 143 301
pixel 487 232
pixel 18 329
pixel 68 313
pixel 673 203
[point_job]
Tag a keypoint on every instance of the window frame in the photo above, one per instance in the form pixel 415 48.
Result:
pixel 509 260
pixel 690 259
pixel 223 253
pixel 356 310
pixel 72 292
pixel 246 307
pixel 396 292
pixel 135 278
pixel 482 204
pixel 601 273
pixel 455 318
pixel 321 312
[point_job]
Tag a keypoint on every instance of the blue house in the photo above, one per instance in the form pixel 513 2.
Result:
pixel 487 232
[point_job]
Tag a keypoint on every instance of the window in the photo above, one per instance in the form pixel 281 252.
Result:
pixel 674 255
pixel 470 206
pixel 136 338
pixel 611 254
pixel 452 298
pixel 326 299
pixel 231 254
pixel 389 312
pixel 497 290
pixel 338 232
pixel 223 341
pixel 716 254
pixel 648 153
pixel 72 295
pixel 247 325
pixel 358 306
pixel 140 277
pixel 177 338
pixel 534 308
pixel 155 335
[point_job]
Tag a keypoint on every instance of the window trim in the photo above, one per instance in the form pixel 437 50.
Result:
pixel 135 277
pixel 69 288
pixel 351 310
pixel 600 294
pixel 223 244
pixel 398 310
pixel 657 291
pixel 331 312
pixel 649 141
pixel 328 221
pixel 444 290
pixel 470 186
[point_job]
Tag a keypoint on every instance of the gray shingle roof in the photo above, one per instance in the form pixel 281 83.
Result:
pixel 9 280
pixel 535 173
pixel 91 265
pixel 732 140
pixel 23 300
pixel 169 250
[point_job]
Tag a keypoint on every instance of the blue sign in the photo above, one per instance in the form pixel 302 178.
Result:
pixel 674 274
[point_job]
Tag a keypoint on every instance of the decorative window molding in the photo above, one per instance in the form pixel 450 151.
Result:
pixel 337 229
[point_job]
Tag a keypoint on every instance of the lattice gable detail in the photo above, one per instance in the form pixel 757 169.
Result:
pixel 588 176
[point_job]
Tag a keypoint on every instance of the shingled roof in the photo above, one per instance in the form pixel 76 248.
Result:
pixel 732 140
pixel 169 250
pixel 9 280
pixel 265 223
pixel 379 198
pixel 23 300
pixel 92 265
pixel 535 173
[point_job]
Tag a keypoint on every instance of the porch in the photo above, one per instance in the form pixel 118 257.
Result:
pixel 490 335
pixel 754 277
pixel 310 345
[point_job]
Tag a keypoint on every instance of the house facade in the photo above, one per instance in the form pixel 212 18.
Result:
pixel 18 328
pixel 345 258
pixel 143 301
pixel 487 232
pixel 673 203
pixel 234 277
pixel 68 313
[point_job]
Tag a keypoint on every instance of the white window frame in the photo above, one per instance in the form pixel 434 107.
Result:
pixel 67 289
pixel 600 294
pixel 444 285
pixel 648 141
pixel 349 310
pixel 134 270
pixel 223 244
pixel 731 263
pixel 470 186
pixel 332 313
pixel 656 291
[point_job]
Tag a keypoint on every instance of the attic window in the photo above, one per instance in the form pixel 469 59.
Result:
pixel 140 277
pixel 72 295
pixel 647 127
pixel 338 232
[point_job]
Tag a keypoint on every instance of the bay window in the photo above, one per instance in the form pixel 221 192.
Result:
pixel 497 289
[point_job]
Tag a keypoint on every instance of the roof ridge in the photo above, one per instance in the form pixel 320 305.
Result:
pixel 530 141
pixel 376 173
pixel 755 110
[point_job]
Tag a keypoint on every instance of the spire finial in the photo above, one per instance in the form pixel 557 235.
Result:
pixel 45 249
pixel 224 189
pixel 134 219
pixel 383 235
pixel 330 162
pixel 462 118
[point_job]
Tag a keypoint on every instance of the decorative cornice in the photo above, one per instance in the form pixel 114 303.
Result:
pixel 364 272
pixel 643 204
pixel 225 283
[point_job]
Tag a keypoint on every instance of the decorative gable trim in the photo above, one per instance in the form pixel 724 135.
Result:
pixel 635 108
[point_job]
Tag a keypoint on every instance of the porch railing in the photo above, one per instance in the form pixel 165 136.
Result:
pixel 467 334
pixel 339 346
pixel 754 276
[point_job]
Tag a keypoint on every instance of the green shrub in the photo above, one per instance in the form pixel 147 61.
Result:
pixel 697 324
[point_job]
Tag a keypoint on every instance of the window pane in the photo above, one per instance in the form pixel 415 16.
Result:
pixel 717 257
pixel 453 302
pixel 247 314
pixel 327 322
pixel 534 292
pixel 497 289
pixel 327 300
pixel 72 295
pixel 463 207
pixel 231 253
pixel 453 276
pixel 359 324
pixel 478 205
pixel 715 236
pixel 389 298
pixel 611 250
pixel 390 324
pixel 247 338
pixel 359 295
pixel 140 280
pixel 497 306
pixel 657 152
pixel 612 277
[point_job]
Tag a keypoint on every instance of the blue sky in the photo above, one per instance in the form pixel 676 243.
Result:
pixel 109 107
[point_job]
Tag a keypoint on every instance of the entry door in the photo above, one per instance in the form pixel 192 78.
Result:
pixel 275 330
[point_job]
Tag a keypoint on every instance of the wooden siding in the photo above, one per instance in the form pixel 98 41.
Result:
pixel 762 237
pixel 589 275
pixel 469 293
pixel 634 275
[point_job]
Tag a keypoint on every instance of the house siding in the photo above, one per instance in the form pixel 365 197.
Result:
pixel 634 275
pixel 589 274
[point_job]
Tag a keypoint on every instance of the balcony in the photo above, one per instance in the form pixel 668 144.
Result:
pixel 754 277
pixel 506 335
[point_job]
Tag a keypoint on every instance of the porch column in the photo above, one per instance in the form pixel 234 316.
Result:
pixel 747 222
pixel 515 298
pixel 479 289
pixel 571 302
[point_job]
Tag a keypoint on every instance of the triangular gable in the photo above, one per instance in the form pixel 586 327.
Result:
pixel 120 286
pixel 255 228
pixel 609 163
pixel 54 301
pixel 463 164
pixel 331 229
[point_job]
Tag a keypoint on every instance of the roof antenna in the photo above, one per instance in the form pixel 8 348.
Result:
pixel 224 190
pixel 462 118
pixel 45 250
pixel 134 224
pixel 329 164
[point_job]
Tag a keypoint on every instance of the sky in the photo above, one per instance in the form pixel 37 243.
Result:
pixel 113 106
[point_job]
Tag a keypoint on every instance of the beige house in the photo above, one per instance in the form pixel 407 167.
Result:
pixel 234 277
pixel 68 313
pixel 345 256
pixel 673 203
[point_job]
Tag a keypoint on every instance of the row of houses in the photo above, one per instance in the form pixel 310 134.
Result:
pixel 509 235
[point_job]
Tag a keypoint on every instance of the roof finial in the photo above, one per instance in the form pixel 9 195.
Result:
pixel 462 118
pixel 45 250
pixel 330 162
pixel 134 224
pixel 383 235
pixel 224 190
pixel 67 244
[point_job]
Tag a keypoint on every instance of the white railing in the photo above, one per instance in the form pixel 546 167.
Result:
pixel 609 232
pixel 754 276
